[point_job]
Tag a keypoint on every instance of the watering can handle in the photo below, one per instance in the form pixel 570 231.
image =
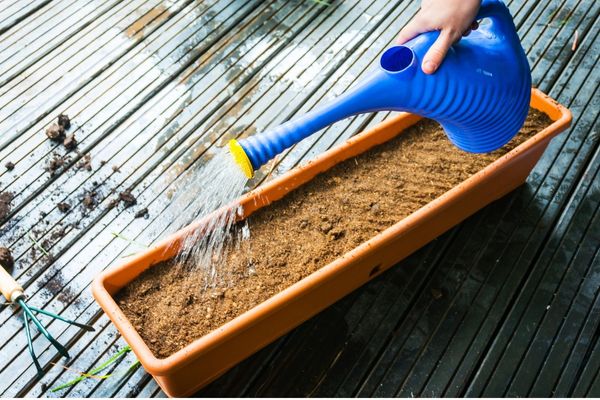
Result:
pixel 500 15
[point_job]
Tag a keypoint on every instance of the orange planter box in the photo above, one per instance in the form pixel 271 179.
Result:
pixel 194 366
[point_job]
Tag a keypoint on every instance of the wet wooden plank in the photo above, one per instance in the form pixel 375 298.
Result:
pixel 93 121
pixel 59 78
pixel 570 318
pixel 14 12
pixel 23 47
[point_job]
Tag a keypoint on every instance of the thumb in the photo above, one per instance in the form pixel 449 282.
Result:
pixel 436 53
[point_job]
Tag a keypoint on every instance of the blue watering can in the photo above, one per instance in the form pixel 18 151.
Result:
pixel 480 94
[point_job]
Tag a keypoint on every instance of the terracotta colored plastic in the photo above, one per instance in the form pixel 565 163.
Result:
pixel 194 366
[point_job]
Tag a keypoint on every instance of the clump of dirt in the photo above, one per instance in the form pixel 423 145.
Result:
pixel 89 200
pixel 304 231
pixel 70 142
pixel 112 204
pixel 6 199
pixel 63 207
pixel 9 166
pixel 143 213
pixel 59 233
pixel 6 259
pixel 55 132
pixel 127 198
pixel 85 163
pixel 64 121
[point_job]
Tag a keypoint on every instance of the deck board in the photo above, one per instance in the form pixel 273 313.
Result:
pixel 13 13
pixel 152 89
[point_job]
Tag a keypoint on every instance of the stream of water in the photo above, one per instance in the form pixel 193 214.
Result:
pixel 218 183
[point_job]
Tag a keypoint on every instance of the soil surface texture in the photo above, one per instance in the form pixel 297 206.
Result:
pixel 171 306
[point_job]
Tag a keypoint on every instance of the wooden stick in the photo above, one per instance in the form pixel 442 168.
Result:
pixel 574 46
pixel 8 286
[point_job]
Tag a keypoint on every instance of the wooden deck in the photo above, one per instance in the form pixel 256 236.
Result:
pixel 507 303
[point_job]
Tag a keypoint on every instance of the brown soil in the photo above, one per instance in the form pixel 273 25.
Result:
pixel 5 199
pixel 127 198
pixel 55 163
pixel 6 259
pixel 85 163
pixel 64 121
pixel 310 227
pixel 89 200
pixel 55 132
pixel 112 204
pixel 70 142
pixel 59 233
pixel 143 213
pixel 63 207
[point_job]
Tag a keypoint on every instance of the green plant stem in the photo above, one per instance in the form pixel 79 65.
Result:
pixel 38 245
pixel 133 366
pixel 118 235
pixel 93 372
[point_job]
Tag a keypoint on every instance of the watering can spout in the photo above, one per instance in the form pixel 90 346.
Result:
pixel 480 94
pixel 380 91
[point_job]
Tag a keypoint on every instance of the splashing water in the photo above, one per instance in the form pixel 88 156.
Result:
pixel 216 185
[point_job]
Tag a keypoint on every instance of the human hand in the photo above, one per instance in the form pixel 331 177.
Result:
pixel 453 18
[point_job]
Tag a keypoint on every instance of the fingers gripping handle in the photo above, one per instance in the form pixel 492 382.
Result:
pixel 10 289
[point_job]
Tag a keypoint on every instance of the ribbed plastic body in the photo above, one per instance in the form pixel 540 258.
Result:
pixel 480 94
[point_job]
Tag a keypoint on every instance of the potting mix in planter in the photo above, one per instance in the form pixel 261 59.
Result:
pixel 173 303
